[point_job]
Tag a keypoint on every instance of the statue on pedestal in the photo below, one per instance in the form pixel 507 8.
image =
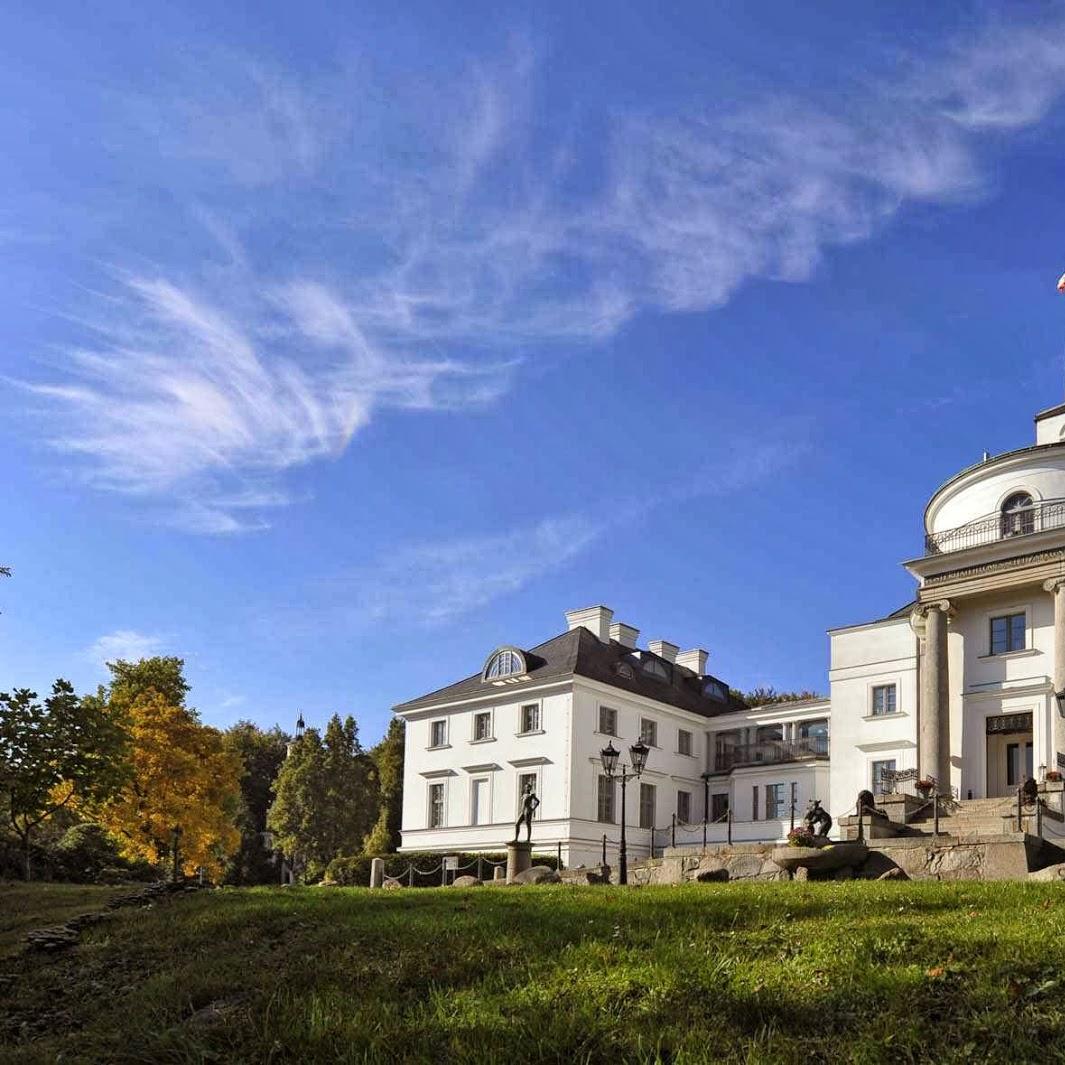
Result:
pixel 529 803
pixel 817 819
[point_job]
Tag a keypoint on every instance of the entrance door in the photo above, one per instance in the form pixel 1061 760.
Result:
pixel 1010 759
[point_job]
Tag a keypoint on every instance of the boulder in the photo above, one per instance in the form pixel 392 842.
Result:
pixel 538 874
pixel 467 881
pixel 802 873
pixel 821 859
pixel 712 876
pixel 1051 872
pixel 894 873
pixel 391 885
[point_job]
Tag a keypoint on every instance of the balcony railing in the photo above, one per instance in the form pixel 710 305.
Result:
pixel 768 752
pixel 1040 517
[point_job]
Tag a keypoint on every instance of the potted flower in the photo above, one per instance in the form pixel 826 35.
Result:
pixel 925 786
pixel 801 837
pixel 1053 776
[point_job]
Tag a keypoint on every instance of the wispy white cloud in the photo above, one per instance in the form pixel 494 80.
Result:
pixel 471 244
pixel 125 644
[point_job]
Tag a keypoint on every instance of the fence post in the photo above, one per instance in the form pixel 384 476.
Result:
pixel 377 872
pixel 1020 811
pixel 729 819
pixel 704 833
pixel 792 826
pixel 443 873
pixel 560 854
pixel 673 832
pixel 410 875
pixel 1039 817
pixel 935 813
pixel 604 848
pixel 480 867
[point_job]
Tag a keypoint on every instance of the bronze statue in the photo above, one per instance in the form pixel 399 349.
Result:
pixel 1030 791
pixel 866 802
pixel 529 803
pixel 817 819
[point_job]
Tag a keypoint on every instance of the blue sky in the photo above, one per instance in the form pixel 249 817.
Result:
pixel 340 347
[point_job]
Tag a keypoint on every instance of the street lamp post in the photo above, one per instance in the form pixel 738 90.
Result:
pixel 638 755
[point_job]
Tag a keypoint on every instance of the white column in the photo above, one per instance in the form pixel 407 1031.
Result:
pixel 1056 587
pixel 934 736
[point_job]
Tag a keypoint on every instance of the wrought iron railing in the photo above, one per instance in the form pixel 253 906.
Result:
pixel 766 752
pixel 1040 517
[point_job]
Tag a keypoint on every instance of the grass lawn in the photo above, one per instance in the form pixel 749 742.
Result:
pixel 27 906
pixel 864 972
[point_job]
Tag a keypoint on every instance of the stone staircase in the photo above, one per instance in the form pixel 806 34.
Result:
pixel 973 817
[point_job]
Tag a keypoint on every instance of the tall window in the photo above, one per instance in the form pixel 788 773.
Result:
pixel 684 741
pixel 530 718
pixel 878 769
pixel 480 804
pixel 482 726
pixel 718 805
pixel 754 802
pixel 606 800
pixel 1008 633
pixel 608 721
pixel 774 801
pixel 438 734
pixel 1018 515
pixel 884 701
pixel 647 805
pixel 684 806
pixel 436 805
pixel 649 732
pixel 525 779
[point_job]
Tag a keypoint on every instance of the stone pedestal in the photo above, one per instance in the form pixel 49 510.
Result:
pixel 499 874
pixel 519 858
pixel 377 872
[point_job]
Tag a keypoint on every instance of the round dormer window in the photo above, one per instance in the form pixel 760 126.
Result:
pixel 1018 515
pixel 506 662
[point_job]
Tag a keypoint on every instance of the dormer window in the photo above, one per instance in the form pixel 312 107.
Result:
pixel 653 666
pixel 1018 515
pixel 714 689
pixel 506 662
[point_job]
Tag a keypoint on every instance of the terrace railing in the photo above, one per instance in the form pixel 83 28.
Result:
pixel 768 752
pixel 1043 516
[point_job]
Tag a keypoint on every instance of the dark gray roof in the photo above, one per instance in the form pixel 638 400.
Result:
pixel 580 652
pixel 902 612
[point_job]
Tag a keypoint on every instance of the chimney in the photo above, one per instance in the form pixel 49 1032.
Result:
pixel 626 635
pixel 596 619
pixel 664 649
pixel 695 660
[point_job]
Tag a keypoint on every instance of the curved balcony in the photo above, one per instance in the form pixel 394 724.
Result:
pixel 1043 516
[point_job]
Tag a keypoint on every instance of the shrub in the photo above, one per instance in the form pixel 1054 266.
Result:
pixel 355 871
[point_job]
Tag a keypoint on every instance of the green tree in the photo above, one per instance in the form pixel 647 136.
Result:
pixel 326 797
pixel 262 753
pixel 387 758
pixel 769 696
pixel 53 755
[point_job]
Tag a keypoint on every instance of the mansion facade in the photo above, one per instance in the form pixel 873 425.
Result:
pixel 965 684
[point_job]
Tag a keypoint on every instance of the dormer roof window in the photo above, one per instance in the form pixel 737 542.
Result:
pixel 503 663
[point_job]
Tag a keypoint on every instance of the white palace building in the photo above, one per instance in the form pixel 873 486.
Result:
pixel 965 684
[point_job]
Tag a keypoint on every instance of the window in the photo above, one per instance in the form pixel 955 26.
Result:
pixel 647 805
pixel 436 805
pixel 649 732
pixel 608 721
pixel 526 780
pixel 774 801
pixel 718 806
pixel 653 666
pixel 880 785
pixel 1008 633
pixel 530 718
pixel 884 701
pixel 482 726
pixel 506 662
pixel 725 744
pixel 625 670
pixel 684 741
pixel 606 800
pixel 754 803
pixel 480 802
pixel 438 734
pixel 714 689
pixel 1018 515
pixel 684 806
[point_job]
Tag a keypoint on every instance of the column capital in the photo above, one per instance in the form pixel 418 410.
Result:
pixel 1054 583
pixel 944 605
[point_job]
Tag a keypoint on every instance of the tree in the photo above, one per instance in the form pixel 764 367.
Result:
pixel 769 696
pixel 67 751
pixel 262 753
pixel 387 758
pixel 183 776
pixel 326 796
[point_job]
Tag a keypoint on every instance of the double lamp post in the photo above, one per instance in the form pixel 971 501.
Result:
pixel 638 756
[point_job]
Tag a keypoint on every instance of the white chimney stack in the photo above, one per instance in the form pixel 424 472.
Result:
pixel 664 649
pixel 626 635
pixel 596 619
pixel 695 660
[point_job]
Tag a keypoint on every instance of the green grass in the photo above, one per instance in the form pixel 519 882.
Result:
pixel 27 906
pixel 862 972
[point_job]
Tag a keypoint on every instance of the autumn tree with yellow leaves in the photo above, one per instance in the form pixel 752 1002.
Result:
pixel 182 774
